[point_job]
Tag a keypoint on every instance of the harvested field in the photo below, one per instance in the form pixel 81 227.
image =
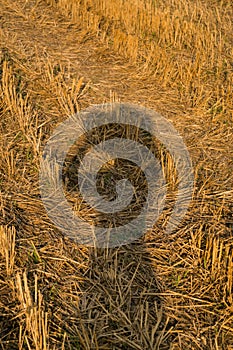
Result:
pixel 160 292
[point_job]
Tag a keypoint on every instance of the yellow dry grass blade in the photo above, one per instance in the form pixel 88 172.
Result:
pixel 36 327
pixel 7 247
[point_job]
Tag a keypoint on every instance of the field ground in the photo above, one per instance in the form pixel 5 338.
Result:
pixel 161 292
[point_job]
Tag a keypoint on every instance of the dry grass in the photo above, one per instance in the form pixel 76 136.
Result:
pixel 185 45
pixel 161 292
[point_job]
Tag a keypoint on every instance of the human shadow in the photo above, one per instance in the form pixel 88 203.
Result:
pixel 121 306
